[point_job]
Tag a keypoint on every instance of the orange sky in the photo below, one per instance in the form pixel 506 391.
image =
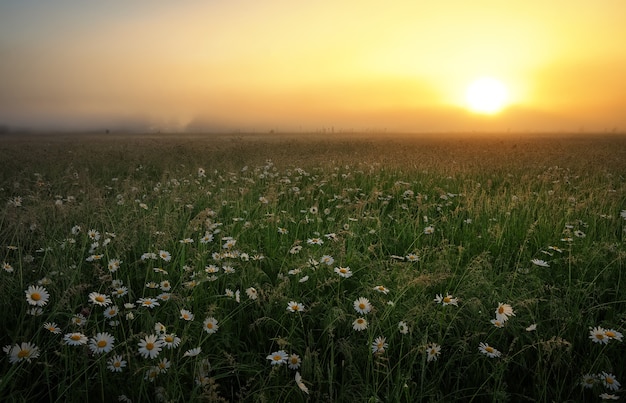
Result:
pixel 296 65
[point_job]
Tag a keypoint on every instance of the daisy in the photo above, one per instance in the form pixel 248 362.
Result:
pixel 327 260
pixel 588 381
pixel 382 289
pixel 186 315
pixel 101 343
pixel 609 381
pixel 148 302
pixel 344 272
pixel 251 293
pixel 170 340
pixel 37 295
pixel 165 285
pixel 359 324
pixel 75 339
pixel 362 305
pixel 608 396
pixel 379 345
pixel 79 319
pixel 301 384
pixel 52 327
pixel 119 292
pixel 282 231
pixel 99 299
pixel 540 263
pixel 7 267
pixel 114 265
pixel 111 312
pixel 503 312
pixel 278 357
pixel 192 352
pixel 150 346
pixel 433 350
pixel 163 365
pixel 403 328
pixel 315 241
pixel 116 363
pixel 210 325
pixel 598 335
pixel 429 230
pixel 488 350
pixel 412 257
pixel 23 352
pixel 531 328
pixel 294 306
pixel 497 323
pixel 613 334
pixel 294 361
pixel 165 255
pixel 447 300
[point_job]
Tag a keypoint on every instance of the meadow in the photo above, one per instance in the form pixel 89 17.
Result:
pixel 312 267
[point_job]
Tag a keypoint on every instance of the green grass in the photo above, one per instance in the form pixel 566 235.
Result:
pixel 493 204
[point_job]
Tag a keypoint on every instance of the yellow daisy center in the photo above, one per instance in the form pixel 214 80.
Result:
pixel 35 296
pixel 608 380
pixel 23 353
pixel 209 325
pixel 446 300
pixel 149 346
pixel 102 343
pixel 609 334
pixel 362 305
pixel 501 310
pixel 75 337
pixel 277 357
pixel 599 336
pixel 117 364
pixel 169 339
pixel 99 298
pixel 489 349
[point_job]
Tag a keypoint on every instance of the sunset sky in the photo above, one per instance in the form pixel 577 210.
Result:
pixel 256 65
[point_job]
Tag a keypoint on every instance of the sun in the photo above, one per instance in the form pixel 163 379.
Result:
pixel 486 95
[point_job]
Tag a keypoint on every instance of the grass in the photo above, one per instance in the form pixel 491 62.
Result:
pixel 423 216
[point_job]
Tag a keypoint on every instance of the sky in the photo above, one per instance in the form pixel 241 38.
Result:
pixel 259 65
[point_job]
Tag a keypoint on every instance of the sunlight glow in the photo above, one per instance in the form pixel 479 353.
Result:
pixel 486 95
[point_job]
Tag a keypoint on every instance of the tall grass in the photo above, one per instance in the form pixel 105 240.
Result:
pixel 460 216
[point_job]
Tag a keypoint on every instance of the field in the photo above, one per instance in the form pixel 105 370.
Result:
pixel 287 268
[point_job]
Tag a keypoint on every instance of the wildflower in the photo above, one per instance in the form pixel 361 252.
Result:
pixel 613 334
pixel 609 381
pixel 164 296
pixel 192 352
pixel 403 328
pixel 359 324
pixel 327 260
pixel 151 374
pixel 433 350
pixel 608 396
pixel 165 255
pixel 447 300
pixel 210 325
pixel 116 363
pixel 114 265
pixel 163 365
pixel 295 250
pixel 52 327
pixel 283 231
pixel 229 293
pixel 148 302
pixel 7 267
pixel 278 357
pixel 186 315
pixel 412 257
pixel 588 381
pixel 93 234
pixel 99 299
pixel 503 312
pixel 251 293
pixel 150 346
pixel 429 230
pixel 540 263
pixel 119 292
pixel 23 352
pixel 75 339
pixel 152 285
pixel 229 244
pixel 101 343
pixel 111 312
pixel 207 238
pixel 36 311
pixel 165 285
pixel 598 335
pixel 579 233
pixel 488 350
pixel 294 361
pixel 381 289
pixel 170 340
pixel 344 272
pixel 315 241
pixel 379 345
pixel 497 323
pixel 362 305
pixel 79 319
pixel 294 306
pixel 304 279
pixel 301 384
pixel 37 295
